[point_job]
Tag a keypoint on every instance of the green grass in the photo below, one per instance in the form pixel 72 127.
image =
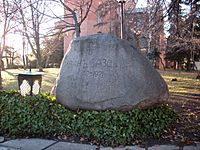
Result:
pixel 48 79
pixel 187 82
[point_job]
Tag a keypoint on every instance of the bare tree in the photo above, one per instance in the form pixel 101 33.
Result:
pixel 53 50
pixel 76 11
pixel 32 16
pixel 7 15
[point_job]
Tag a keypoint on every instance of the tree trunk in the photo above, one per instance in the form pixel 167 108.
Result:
pixel 76 24
pixel 1 66
pixel 1 51
pixel 174 65
pixel 24 55
pixel 1 87
pixel 37 42
pixel 47 61
pixel 77 30
pixel 39 63
pixel 188 64
pixel 7 62
pixel 162 62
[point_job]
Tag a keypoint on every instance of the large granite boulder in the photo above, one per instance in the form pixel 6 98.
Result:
pixel 102 72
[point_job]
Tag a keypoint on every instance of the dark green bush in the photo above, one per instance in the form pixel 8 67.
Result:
pixel 41 115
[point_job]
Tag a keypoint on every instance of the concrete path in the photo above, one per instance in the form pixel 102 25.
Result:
pixel 42 144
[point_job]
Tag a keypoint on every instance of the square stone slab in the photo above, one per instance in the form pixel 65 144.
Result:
pixel 123 148
pixel 164 147
pixel 28 144
pixel 71 146
pixel 1 139
pixel 7 148
pixel 191 147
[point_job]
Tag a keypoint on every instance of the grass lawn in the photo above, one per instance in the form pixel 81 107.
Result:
pixel 186 81
pixel 48 79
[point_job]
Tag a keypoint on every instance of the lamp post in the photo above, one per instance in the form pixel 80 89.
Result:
pixel 122 2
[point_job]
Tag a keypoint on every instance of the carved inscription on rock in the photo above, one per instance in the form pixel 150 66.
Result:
pixel 91 73
pixel 95 68
pixel 103 63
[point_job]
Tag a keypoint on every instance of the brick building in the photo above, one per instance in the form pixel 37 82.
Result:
pixel 94 22
pixel 104 17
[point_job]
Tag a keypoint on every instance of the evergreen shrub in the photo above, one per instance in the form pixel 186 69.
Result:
pixel 41 115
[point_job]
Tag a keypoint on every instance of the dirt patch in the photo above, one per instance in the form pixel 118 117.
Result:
pixel 188 109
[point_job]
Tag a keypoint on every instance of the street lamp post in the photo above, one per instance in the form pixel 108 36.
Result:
pixel 122 2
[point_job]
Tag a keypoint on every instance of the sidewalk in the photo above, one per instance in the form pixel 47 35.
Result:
pixel 42 144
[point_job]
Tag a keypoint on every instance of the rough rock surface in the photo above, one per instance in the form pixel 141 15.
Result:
pixel 102 72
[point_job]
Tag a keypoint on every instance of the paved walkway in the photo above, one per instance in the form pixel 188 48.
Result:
pixel 42 144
